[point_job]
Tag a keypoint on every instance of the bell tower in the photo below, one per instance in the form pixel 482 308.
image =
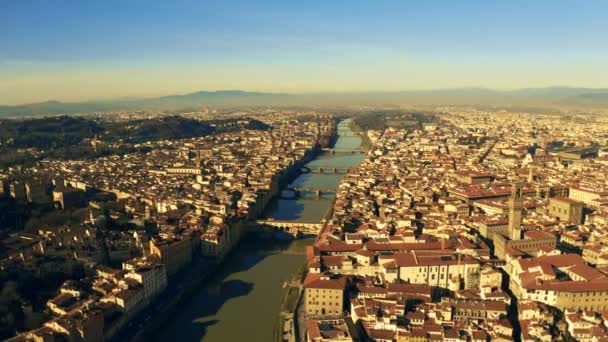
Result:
pixel 515 210
pixel 197 162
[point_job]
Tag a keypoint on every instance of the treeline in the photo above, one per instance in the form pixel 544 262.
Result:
pixel 47 132
pixel 63 131
pixel 381 120
pixel 67 137
pixel 371 121
pixel 163 128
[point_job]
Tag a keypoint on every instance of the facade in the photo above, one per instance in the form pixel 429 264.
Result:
pixel 584 287
pixel 324 296
pixel 68 197
pixel 18 191
pixel 566 209
pixel 586 195
pixel 38 192
pixel 153 277
pixel 335 330
pixel 435 268
pixel 473 178
pixel 175 252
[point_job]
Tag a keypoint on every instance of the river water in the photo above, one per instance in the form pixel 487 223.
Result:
pixel 242 302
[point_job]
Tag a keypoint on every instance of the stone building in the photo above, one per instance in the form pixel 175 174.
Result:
pixel 323 295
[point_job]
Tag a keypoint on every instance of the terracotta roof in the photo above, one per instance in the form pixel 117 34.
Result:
pixel 320 281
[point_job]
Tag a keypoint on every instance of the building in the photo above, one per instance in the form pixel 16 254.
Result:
pixel 38 192
pixel 515 242
pixel 473 177
pixel 152 275
pixel 566 209
pixel 68 197
pixel 174 251
pixel 324 295
pixel 129 300
pixel 445 269
pixel 327 331
pixel 563 281
pixel 18 191
pixel 586 195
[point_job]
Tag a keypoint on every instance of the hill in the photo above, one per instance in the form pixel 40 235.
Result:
pixel 551 96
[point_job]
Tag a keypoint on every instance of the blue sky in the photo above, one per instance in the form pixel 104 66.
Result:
pixel 75 50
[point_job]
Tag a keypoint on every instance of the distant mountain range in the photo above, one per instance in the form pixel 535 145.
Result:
pixel 553 96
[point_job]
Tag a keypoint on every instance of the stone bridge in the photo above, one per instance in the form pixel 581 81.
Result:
pixel 294 228
pixel 327 169
pixel 344 150
pixel 318 192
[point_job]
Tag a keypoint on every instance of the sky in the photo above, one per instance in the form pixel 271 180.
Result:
pixel 75 50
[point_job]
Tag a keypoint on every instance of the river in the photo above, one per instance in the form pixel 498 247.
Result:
pixel 242 302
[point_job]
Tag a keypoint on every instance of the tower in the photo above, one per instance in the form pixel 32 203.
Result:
pixel 515 210
pixel 197 162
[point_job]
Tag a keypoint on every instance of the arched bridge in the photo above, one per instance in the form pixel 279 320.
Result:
pixel 291 227
pixel 327 169
pixel 344 150
pixel 318 192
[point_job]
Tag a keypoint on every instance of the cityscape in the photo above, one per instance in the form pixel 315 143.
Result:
pixel 341 194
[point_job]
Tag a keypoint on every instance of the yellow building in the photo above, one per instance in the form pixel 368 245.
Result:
pixel 440 268
pixel 536 279
pixel 566 209
pixel 324 296
pixel 586 195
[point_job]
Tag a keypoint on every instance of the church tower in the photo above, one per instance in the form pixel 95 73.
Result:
pixel 197 162
pixel 530 174
pixel 515 210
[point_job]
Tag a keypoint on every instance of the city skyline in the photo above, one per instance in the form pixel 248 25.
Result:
pixel 72 51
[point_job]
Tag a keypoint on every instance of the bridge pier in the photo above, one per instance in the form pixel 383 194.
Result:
pixel 344 150
pixel 293 228
pixel 330 170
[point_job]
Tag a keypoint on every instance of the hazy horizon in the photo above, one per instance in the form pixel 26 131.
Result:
pixel 302 93
pixel 76 51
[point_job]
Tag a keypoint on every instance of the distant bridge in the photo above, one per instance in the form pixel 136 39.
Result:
pixel 344 150
pixel 291 227
pixel 318 192
pixel 346 133
pixel 327 169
